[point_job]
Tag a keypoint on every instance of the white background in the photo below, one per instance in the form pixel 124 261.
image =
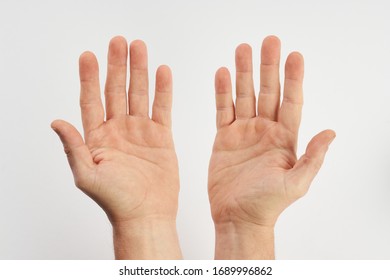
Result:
pixel 346 45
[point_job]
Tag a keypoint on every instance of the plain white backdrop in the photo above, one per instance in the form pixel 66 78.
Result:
pixel 345 215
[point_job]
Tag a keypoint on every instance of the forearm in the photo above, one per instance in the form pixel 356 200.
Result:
pixel 146 239
pixel 243 241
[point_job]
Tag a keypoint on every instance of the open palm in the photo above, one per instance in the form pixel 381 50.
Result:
pixel 127 163
pixel 254 173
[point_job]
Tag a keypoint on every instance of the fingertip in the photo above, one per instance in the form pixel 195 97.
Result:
pixel 137 44
pixel 138 55
pixel 295 59
pixel 63 128
pixel 271 44
pixel 163 78
pixel 118 44
pixel 58 126
pixel 164 70
pixel 87 56
pixel 222 80
pixel 54 124
pixel 222 71
pixel 117 50
pixel 88 66
pixel 244 58
pixel 222 74
pixel 243 50
pixel 327 135
pixel 270 50
pixel 272 39
pixel 331 134
pixel 294 66
pixel 244 47
pixel 319 144
pixel 119 39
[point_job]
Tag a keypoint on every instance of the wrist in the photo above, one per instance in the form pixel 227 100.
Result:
pixel 146 238
pixel 243 240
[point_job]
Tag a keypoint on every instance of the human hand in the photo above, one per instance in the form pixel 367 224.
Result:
pixel 254 173
pixel 127 163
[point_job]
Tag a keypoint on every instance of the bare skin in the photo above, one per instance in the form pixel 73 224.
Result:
pixel 127 162
pixel 254 173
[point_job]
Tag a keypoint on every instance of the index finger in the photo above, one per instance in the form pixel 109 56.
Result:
pixel 92 112
pixel 291 109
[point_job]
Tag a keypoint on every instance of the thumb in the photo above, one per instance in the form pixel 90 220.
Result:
pixel 307 167
pixel 79 156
